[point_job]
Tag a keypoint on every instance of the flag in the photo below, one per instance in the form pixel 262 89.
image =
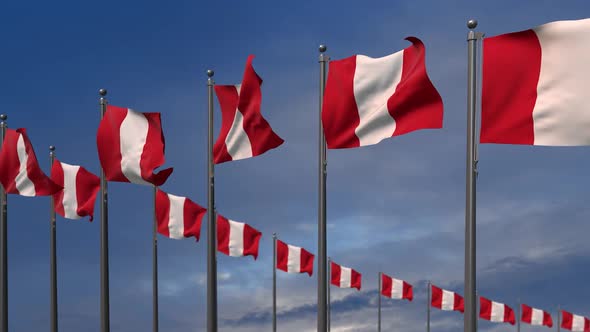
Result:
pixel 131 146
pixel 535 316
pixel 495 312
pixel 237 239
pixel 77 198
pixel 534 86
pixel 19 170
pixel 344 277
pixel 395 288
pixel 294 259
pixel 368 100
pixel 244 132
pixel 178 217
pixel 446 300
pixel 574 323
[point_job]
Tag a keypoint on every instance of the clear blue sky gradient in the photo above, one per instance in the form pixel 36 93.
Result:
pixel 396 207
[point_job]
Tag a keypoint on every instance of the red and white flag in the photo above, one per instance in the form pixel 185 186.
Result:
pixel 294 259
pixel 19 170
pixel 237 239
pixel 77 198
pixel 178 217
pixel 495 311
pixel 535 316
pixel 344 277
pixel 535 86
pixel 395 288
pixel 368 100
pixel 574 323
pixel 131 146
pixel 244 132
pixel 446 300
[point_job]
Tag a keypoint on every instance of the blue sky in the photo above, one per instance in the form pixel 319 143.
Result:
pixel 397 206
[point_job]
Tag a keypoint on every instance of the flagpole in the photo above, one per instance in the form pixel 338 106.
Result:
pixel 428 300
pixel 323 287
pixel 328 295
pixel 379 302
pixel 211 226
pixel 155 323
pixel 3 244
pixel 558 317
pixel 518 316
pixel 470 316
pixel 52 255
pixel 104 237
pixel 274 282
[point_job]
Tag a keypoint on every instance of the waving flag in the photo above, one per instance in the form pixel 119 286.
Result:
pixel 535 316
pixel 395 288
pixel 131 146
pixel 178 217
pixel 244 132
pixel 535 86
pixel 344 277
pixel 237 239
pixel 77 198
pixel 19 170
pixel 368 100
pixel 495 312
pixel 294 259
pixel 574 323
pixel 446 300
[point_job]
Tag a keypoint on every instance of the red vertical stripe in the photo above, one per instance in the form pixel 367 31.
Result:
pixel 251 241
pixel 222 234
pixel 193 215
pixel 566 320
pixel 162 212
pixel 152 156
pixel 282 256
pixel 57 175
pixel 459 305
pixel 108 142
pixel 436 297
pixel 408 291
pixel 335 274
pixel 386 285
pixel 306 262
pixel 509 315
pixel 547 320
pixel 355 281
pixel 527 313
pixel 228 100
pixel 511 69
pixel 485 308
pixel 87 187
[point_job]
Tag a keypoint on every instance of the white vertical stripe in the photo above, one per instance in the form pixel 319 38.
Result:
pixel 345 277
pixel 294 259
pixel 176 217
pixel 497 314
pixel 70 198
pixel 375 81
pixel 237 141
pixel 536 317
pixel 23 184
pixel 397 288
pixel 562 112
pixel 236 238
pixel 578 323
pixel 448 300
pixel 133 133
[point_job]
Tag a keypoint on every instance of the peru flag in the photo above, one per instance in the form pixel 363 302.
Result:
pixel 178 217
pixel 77 198
pixel 131 146
pixel 19 170
pixel 395 288
pixel 535 86
pixel 535 316
pixel 574 323
pixel 244 132
pixel 446 300
pixel 237 239
pixel 344 277
pixel 294 259
pixel 368 100
pixel 495 312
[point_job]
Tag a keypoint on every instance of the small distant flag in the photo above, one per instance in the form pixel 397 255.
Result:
pixel 535 316
pixel 574 323
pixel 294 259
pixel 495 311
pixel 395 288
pixel 237 239
pixel 446 300
pixel 178 217
pixel 344 277
pixel 77 198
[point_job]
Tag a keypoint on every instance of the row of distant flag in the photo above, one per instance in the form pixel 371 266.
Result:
pixel 366 100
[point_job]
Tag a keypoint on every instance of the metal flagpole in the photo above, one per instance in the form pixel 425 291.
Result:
pixel 518 316
pixel 3 244
pixel 470 316
pixel 52 256
pixel 105 323
pixel 558 317
pixel 379 302
pixel 323 287
pixel 211 226
pixel 428 300
pixel 328 295
pixel 155 323
pixel 274 282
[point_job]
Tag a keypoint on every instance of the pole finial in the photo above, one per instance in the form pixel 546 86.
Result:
pixel 3 117
pixel 51 148
pixel 210 73
pixel 323 48
pixel 472 24
pixel 102 92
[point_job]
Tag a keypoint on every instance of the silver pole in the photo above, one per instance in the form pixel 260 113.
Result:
pixel 52 255
pixel 105 322
pixel 155 323
pixel 323 287
pixel 558 318
pixel 328 311
pixel 518 317
pixel 379 302
pixel 274 282
pixel 428 300
pixel 470 316
pixel 3 244
pixel 211 226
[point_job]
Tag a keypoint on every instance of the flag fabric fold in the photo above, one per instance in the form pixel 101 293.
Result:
pixel 131 146
pixel 368 100
pixel 495 311
pixel 178 217
pixel 535 316
pixel 294 259
pixel 395 288
pixel 534 86
pixel 237 239
pixel 446 300
pixel 344 277
pixel 77 198
pixel 574 323
pixel 19 170
pixel 244 131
